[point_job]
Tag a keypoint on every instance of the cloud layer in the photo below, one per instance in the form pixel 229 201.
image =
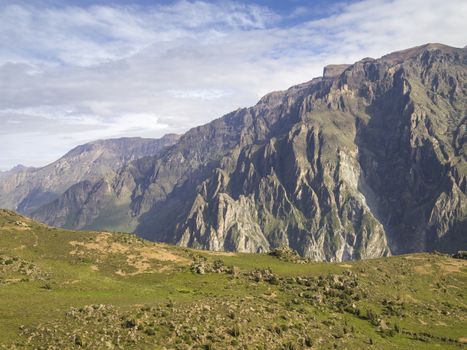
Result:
pixel 71 74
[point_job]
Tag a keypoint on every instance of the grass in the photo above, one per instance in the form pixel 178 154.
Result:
pixel 66 289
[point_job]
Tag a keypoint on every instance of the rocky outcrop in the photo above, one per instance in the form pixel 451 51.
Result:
pixel 364 162
pixel 334 70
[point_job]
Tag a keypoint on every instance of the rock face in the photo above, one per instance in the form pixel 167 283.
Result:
pixel 26 189
pixel 368 161
pixel 334 70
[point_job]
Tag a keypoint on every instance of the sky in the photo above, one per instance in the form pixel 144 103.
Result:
pixel 73 71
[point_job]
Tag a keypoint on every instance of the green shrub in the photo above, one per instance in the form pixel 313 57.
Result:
pixel 46 286
pixel 130 323
pixel 150 331
pixel 235 331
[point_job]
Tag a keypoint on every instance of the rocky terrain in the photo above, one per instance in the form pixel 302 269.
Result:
pixel 25 189
pixel 62 289
pixel 367 161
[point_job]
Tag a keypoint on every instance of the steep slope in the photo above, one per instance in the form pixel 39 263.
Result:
pixel 369 159
pixel 26 189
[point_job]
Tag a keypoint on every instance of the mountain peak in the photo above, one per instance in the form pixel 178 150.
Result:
pixel 403 55
pixel 334 70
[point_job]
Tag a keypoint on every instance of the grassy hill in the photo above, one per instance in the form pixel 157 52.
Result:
pixel 64 289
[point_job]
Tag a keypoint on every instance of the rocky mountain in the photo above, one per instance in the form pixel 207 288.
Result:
pixel 25 189
pixel 367 161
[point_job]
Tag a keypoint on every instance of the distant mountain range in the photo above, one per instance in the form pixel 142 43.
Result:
pixel 25 189
pixel 367 161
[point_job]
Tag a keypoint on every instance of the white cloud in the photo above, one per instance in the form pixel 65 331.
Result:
pixel 206 94
pixel 70 74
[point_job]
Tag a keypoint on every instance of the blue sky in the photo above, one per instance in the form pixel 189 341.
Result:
pixel 74 71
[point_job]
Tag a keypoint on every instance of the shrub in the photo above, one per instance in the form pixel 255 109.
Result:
pixel 235 331
pixel 78 340
pixel 150 331
pixel 290 346
pixel 46 286
pixel 274 280
pixel 130 323
pixel 217 264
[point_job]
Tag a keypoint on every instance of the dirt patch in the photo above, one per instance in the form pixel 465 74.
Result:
pixel 445 267
pixel 423 269
pixel 409 299
pixel 452 266
pixel 159 253
pixel 101 244
pixel 221 253
pixel 273 295
pixel 12 280
pixel 137 257
pixel 22 226
pixel 141 260
pixel 137 262
pixel 345 266
pixel 71 282
pixel 414 257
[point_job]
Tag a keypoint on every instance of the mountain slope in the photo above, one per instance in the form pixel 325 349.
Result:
pixel 26 189
pixel 65 289
pixel 368 160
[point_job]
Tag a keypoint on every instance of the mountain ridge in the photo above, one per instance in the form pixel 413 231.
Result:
pixel 356 165
pixel 27 188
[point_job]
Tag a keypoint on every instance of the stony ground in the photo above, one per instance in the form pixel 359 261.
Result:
pixel 94 290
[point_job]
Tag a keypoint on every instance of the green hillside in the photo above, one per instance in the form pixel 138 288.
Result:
pixel 63 289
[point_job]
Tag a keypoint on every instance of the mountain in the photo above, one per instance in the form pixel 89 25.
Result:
pixel 62 289
pixel 25 189
pixel 367 161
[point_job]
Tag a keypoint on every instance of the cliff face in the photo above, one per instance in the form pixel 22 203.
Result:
pixel 413 150
pixel 367 161
pixel 26 189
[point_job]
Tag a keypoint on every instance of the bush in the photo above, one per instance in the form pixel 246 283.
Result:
pixel 235 331
pixel 290 346
pixel 130 323
pixel 150 331
pixel 274 280
pixel 373 317
pixel 46 286
pixel 217 264
pixel 78 340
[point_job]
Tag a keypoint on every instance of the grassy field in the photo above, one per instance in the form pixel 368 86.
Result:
pixel 64 289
